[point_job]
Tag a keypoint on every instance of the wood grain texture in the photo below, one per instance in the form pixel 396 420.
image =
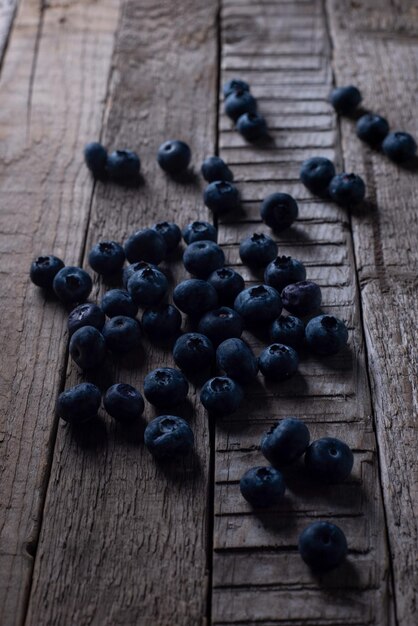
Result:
pixel 128 536
pixel 381 39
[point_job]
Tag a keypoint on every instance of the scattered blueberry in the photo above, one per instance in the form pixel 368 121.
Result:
pixel 148 287
pixel 278 362
pixel 252 126
pixel 122 334
pixel 123 402
pixel 199 231
pixel 201 258
pixel 118 302
pixel 238 102
pixel 257 250
pixel 228 284
pixel 236 84
pixel 87 314
pixel 146 245
pixel 95 156
pixel 87 347
pixel 174 156
pixel 107 257
pixel 195 297
pixel 258 304
pixel 347 189
pixel 316 174
pixel 165 387
pixel 221 197
pixel 372 128
pixel 289 330
pixel 302 298
pixel 72 285
pixel 399 147
pixel 79 404
pixel 193 353
pixel 345 100
pixel 168 436
pixel 237 360
pixel 171 234
pixel 123 166
pixel 214 168
pixel 279 211
pixel 162 323
pixel 221 324
pixel 134 267
pixel 285 442
pixel 44 269
pixel 283 271
pixel 221 395
pixel 326 334
pixel 329 460
pixel 322 546
pixel 263 487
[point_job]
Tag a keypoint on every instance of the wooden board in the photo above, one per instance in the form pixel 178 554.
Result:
pixel 7 14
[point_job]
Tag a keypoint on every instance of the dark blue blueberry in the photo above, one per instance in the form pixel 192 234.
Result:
pixel 214 168
pixel 107 257
pixel 221 324
pixel 237 360
pixel 316 174
pixel 199 231
pixel 221 395
pixel 329 460
pixel 322 546
pixel 240 101
pixel 347 189
pixel 235 84
pixel 288 330
pixel 123 402
pixel 122 334
pixel 258 304
pixel 171 234
pixel 87 347
pixel 118 302
pixel 79 404
pixel 123 166
pixel 72 285
pixel 193 353
pixel 284 271
pixel 399 147
pixel 279 211
pixel 278 362
pixel 326 334
pixel 165 386
pixel 95 156
pixel 285 442
pixel 146 245
pixel 44 269
pixel 228 284
pixel 372 128
pixel 252 126
pixel 135 267
pixel 302 298
pixel 221 197
pixel 168 436
pixel 162 323
pixel 257 250
pixel 148 287
pixel 201 258
pixel 345 100
pixel 174 156
pixel 87 314
pixel 195 297
pixel 263 487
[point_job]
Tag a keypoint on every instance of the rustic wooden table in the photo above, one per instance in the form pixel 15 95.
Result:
pixel 98 534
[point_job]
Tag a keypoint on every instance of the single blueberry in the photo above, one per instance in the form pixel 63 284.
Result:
pixel 278 362
pixel 214 168
pixel 228 284
pixel 399 147
pixel 146 245
pixel 148 287
pixel 221 324
pixel 87 314
pixel 279 211
pixel 174 156
pixel 263 487
pixel 322 546
pixel 195 297
pixel 259 304
pixel 95 156
pixel 257 250
pixel 79 404
pixel 135 267
pixel 316 174
pixel 302 298
pixel 238 102
pixel 347 189
pixel 329 460
pixel 123 402
pixel 72 285
pixel 236 84
pixel 122 334
pixel 221 197
pixel 171 234
pixel 289 330
pixel 285 442
pixel 237 360
pixel 118 302
pixel 252 126
pixel 123 166
pixel 44 269
pixel 345 100
pixel 165 387
pixel 162 323
pixel 326 334
pixel 284 271
pixel 193 353
pixel 168 436
pixel 221 395
pixel 87 347
pixel 372 128
pixel 199 231
pixel 201 258
pixel 106 257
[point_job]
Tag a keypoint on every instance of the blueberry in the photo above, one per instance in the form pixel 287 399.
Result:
pixel 236 84
pixel 257 250
pixel 199 231
pixel 123 166
pixel 263 487
pixel 239 102
pixel 329 460
pixel 87 347
pixel 168 436
pixel 279 211
pixel 44 269
pixel 107 257
pixel 171 234
pixel 122 334
pixel 148 287
pixel 372 128
pixel 221 395
pixel 79 404
pixel 347 189
pixel 134 267
pixel 302 298
pixel 193 353
pixel 72 285
pixel 123 402
pixel 95 156
pixel 201 258
pixel 174 156
pixel 228 284
pixel 399 147
pixel 345 100
pixel 214 168
pixel 87 314
pixel 288 330
pixel 252 126
pixel 162 323
pixel 316 174
pixel 322 546
pixel 165 387
pixel 118 302
pixel 195 297
pixel 221 197
pixel 221 324
pixel 326 334
pixel 258 304
pixel 237 360
pixel 284 271
pixel 278 362
pixel 146 245
pixel 285 442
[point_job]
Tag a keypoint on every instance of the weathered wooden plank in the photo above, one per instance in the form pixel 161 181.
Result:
pixel 7 13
